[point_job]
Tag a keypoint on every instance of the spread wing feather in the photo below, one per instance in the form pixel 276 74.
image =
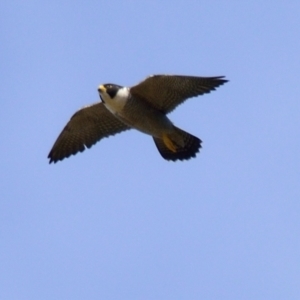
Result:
pixel 165 92
pixel 86 127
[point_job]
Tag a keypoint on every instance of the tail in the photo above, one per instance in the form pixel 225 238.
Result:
pixel 178 146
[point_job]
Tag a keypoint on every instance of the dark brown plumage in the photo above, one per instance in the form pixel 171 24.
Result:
pixel 86 127
pixel 165 92
pixel 191 147
pixel 149 103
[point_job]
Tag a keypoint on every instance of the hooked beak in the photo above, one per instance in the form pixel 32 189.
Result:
pixel 101 89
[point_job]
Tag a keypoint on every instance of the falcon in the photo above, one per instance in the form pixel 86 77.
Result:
pixel 144 107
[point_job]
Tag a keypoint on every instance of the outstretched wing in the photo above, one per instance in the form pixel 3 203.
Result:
pixel 86 127
pixel 165 92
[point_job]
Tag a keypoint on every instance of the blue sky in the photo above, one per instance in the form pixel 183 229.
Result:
pixel 117 221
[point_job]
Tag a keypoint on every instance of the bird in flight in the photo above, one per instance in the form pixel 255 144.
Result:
pixel 143 107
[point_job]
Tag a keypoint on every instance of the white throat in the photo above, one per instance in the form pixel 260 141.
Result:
pixel 116 104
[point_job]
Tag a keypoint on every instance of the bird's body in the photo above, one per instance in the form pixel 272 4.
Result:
pixel 143 107
pixel 135 113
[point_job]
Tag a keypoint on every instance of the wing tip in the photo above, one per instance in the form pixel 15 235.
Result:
pixel 221 79
pixel 53 159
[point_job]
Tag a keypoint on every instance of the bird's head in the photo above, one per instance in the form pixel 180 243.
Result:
pixel 108 92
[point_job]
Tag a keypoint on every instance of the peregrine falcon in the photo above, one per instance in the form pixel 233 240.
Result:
pixel 144 107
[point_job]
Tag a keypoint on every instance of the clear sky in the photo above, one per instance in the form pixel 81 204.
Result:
pixel 117 221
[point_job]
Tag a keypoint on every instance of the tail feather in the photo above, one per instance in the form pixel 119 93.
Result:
pixel 184 151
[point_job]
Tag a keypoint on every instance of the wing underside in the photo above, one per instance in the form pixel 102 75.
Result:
pixel 86 127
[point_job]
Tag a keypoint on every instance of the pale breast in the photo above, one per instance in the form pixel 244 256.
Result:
pixel 115 105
